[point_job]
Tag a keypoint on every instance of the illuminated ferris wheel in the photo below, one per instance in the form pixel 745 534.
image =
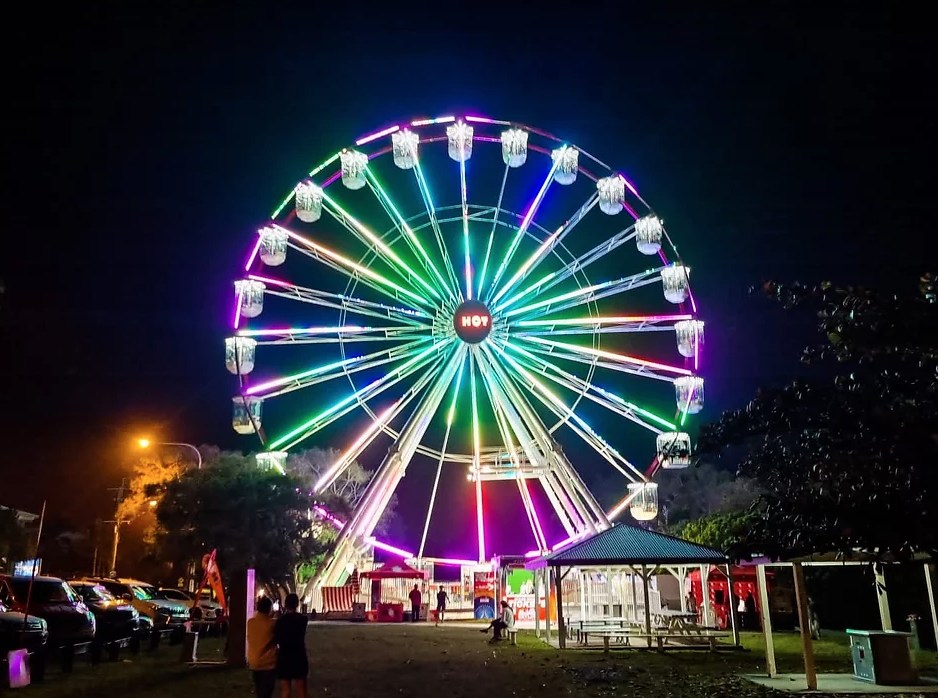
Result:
pixel 478 311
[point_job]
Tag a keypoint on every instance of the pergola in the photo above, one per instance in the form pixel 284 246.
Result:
pixel 624 549
pixel 797 566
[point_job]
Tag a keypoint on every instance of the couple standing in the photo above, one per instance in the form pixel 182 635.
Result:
pixel 277 649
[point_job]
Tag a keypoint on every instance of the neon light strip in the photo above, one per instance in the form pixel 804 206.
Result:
pixel 525 222
pixel 611 320
pixel 611 355
pixel 439 465
pixel 375 136
pixel 408 231
pixel 254 252
pixel 237 314
pixel 476 447
pixel 621 506
pixel 378 244
pixel 487 120
pixel 316 170
pixel 376 425
pixel 449 561
pixel 488 249
pixel 438 120
pixel 467 267
pixel 546 246
pixel 346 262
pixel 626 282
pixel 400 552
pixel 435 225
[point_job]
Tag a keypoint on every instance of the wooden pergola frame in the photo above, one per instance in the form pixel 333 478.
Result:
pixel 801 598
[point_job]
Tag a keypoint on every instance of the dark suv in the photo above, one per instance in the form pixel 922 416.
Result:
pixel 116 619
pixel 17 631
pixel 70 622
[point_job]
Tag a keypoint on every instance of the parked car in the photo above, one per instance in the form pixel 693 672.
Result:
pixel 116 619
pixel 69 620
pixel 146 599
pixel 211 610
pixel 14 633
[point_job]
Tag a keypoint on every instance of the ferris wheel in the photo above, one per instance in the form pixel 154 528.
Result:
pixel 478 310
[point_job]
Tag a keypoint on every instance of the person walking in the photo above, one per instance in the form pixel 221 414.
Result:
pixel 292 662
pixel 441 598
pixel 415 603
pixel 262 649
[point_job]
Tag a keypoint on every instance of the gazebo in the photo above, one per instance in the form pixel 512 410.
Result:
pixel 602 575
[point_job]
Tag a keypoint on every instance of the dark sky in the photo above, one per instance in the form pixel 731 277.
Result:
pixel 143 146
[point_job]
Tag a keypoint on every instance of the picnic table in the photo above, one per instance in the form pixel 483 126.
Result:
pixel 676 622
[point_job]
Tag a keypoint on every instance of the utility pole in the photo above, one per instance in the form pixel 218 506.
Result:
pixel 118 497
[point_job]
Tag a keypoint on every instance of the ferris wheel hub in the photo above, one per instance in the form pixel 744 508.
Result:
pixel 472 321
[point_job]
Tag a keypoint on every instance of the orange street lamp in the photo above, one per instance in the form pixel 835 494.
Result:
pixel 146 443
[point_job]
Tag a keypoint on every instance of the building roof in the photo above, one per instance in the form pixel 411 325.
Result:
pixel 625 544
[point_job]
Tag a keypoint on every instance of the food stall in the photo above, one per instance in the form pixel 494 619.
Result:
pixel 390 586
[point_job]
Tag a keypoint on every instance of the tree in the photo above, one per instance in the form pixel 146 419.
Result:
pixel 151 474
pixel 848 460
pixel 723 531
pixel 14 538
pixel 703 490
pixel 254 518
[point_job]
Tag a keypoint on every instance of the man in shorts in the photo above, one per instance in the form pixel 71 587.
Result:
pixel 441 598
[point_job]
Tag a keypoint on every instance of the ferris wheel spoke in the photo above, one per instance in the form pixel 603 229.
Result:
pixel 514 454
pixel 336 369
pixel 355 271
pixel 568 414
pixel 406 316
pixel 523 228
pixel 488 248
pixel 424 360
pixel 333 335
pixel 364 440
pixel 612 402
pixel 409 235
pixel 545 248
pixel 372 240
pixel 607 359
pixel 450 415
pixel 464 195
pixel 435 225
pixel 477 453
pixel 596 325
pixel 586 294
pixel 550 280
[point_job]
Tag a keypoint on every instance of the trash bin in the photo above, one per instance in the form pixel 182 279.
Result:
pixel 882 657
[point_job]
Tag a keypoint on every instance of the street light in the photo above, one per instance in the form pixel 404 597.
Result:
pixel 146 443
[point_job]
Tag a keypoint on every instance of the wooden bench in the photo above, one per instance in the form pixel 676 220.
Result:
pixel 512 635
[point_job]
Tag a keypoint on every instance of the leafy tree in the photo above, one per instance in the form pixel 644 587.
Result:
pixel 14 538
pixel 723 531
pixel 847 461
pixel 703 490
pixel 254 518
pixel 151 474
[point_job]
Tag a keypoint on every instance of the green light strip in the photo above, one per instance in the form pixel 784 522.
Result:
pixel 316 170
pixel 488 249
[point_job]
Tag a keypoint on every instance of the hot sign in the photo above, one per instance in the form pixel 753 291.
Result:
pixel 472 321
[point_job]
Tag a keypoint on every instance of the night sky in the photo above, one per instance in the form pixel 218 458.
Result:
pixel 143 147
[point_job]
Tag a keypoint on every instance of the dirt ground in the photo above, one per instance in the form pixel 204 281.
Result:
pixel 452 661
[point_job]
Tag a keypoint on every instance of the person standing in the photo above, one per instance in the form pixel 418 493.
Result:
pixel 292 662
pixel 441 598
pixel 415 603
pixel 262 649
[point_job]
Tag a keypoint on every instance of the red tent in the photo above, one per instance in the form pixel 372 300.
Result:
pixel 396 570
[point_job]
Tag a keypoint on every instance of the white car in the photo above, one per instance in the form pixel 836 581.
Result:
pixel 210 609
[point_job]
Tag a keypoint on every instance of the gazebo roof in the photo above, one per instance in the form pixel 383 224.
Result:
pixel 625 544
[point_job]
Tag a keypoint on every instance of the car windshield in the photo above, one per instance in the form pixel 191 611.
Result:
pixel 174 594
pixel 144 593
pixel 44 591
pixel 94 592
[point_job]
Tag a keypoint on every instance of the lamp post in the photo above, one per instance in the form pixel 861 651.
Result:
pixel 146 443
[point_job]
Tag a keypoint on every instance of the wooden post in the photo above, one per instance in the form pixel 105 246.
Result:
pixel 763 589
pixel 930 588
pixel 242 596
pixel 734 616
pixel 882 598
pixel 647 603
pixel 537 603
pixel 561 629
pixel 548 575
pixel 804 623
pixel 708 618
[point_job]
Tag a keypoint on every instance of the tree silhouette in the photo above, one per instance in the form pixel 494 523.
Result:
pixel 850 461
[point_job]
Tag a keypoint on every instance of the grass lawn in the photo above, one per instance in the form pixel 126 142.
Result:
pixel 378 661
